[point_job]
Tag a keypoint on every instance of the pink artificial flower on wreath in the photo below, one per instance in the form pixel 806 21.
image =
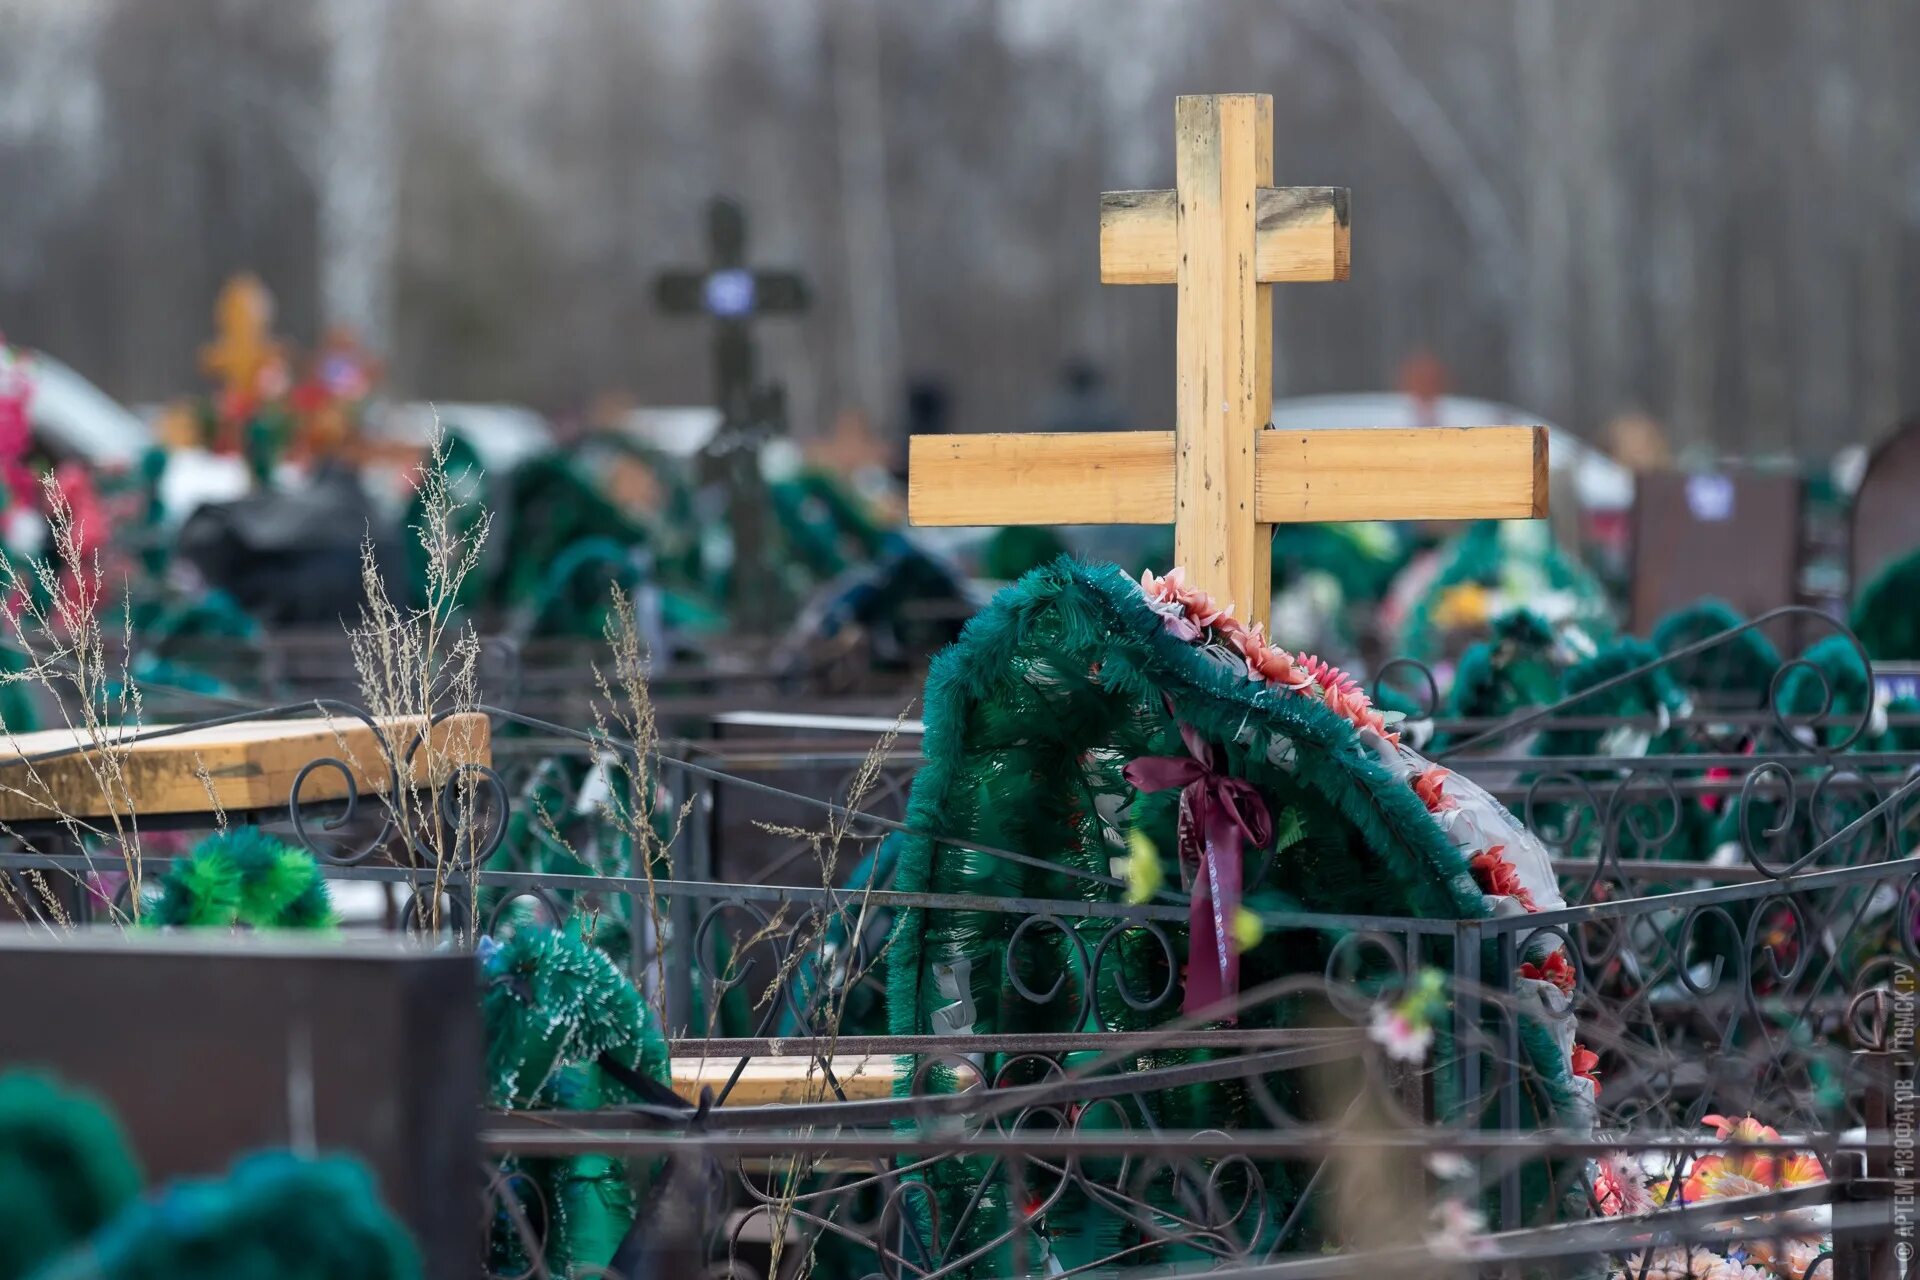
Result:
pixel 1497 876
pixel 1327 676
pixel 1173 589
pixel 1358 710
pixel 1185 612
pixel 1620 1186
pixel 1266 661
pixel 1405 1038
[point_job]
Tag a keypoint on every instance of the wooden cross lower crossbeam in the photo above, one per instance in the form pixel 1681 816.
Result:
pixel 1223 238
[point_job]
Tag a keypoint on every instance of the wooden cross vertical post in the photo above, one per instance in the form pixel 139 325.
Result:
pixel 1223 237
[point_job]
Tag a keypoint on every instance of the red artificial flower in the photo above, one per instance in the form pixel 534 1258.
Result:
pixel 1429 786
pixel 1586 1063
pixel 1556 968
pixel 1497 876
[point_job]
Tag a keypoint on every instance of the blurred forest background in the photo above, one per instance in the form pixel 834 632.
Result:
pixel 1708 210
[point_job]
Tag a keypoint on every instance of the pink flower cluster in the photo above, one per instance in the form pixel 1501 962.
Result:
pixel 1189 613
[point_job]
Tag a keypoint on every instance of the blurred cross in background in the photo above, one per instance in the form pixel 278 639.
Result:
pixel 733 294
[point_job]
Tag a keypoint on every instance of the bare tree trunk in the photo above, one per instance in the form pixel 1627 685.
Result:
pixel 865 219
pixel 1542 365
pixel 359 186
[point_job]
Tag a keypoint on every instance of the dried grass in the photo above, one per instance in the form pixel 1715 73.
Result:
pixel 51 614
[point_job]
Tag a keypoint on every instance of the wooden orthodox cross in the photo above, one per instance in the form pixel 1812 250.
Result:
pixel 1223 238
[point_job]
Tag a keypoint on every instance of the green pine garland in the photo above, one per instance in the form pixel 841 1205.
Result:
pixel 274 1214
pixel 243 878
pixel 65 1170
pixel 1735 672
pixel 1884 616
pixel 554 1009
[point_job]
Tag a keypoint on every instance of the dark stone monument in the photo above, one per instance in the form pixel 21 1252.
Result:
pixel 208 1047
pixel 1731 534
pixel 1886 509
pixel 733 295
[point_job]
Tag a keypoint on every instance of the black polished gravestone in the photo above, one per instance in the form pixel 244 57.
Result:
pixel 208 1047
pixel 1886 508
pixel 1734 535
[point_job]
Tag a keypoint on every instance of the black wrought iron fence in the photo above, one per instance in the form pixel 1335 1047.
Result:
pixel 1383 1098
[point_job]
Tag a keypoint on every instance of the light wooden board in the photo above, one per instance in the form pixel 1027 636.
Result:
pixel 250 764
pixel 1218 141
pixel 1093 477
pixel 1301 235
pixel 1427 473
pixel 787 1080
pixel 1126 477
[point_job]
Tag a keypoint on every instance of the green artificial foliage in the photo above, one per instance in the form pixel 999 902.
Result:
pixel 1520 666
pixel 65 1170
pixel 551 506
pixel 1362 556
pixel 274 1214
pixel 1493 567
pixel 1733 673
pixel 1886 613
pixel 556 1012
pixel 1018 549
pixel 1830 677
pixel 1651 696
pixel 173 631
pixel 243 878
pixel 17 712
pixel 1053 688
pixel 575 594
pixel 825 528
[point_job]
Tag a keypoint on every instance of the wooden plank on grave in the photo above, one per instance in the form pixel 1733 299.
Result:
pixel 1092 477
pixel 1427 473
pixel 787 1080
pixel 250 764
pixel 1301 235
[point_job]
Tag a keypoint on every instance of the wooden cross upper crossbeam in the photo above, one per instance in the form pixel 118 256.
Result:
pixel 732 293
pixel 1224 237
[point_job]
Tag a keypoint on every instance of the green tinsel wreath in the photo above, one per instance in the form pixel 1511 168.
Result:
pixel 65 1170
pixel 274 1214
pixel 243 878
pixel 562 1027
pixel 1031 719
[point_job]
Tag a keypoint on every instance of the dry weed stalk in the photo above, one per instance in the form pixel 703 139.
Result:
pixel 52 618
pixel 417 666
pixel 625 738
pixel 838 980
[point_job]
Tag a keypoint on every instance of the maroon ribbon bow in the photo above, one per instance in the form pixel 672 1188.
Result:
pixel 1219 816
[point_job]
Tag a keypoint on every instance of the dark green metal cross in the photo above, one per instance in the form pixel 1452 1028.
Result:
pixel 733 294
